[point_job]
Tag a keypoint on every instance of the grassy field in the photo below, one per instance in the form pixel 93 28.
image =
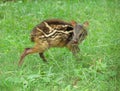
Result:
pixel 96 69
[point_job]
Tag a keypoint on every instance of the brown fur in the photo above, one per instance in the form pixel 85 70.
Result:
pixel 51 33
pixel 54 23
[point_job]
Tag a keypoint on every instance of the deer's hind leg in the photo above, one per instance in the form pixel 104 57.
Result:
pixel 36 49
pixel 43 57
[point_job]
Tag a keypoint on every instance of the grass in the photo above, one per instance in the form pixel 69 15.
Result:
pixel 98 66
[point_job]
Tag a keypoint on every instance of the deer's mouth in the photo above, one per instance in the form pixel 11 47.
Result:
pixel 74 42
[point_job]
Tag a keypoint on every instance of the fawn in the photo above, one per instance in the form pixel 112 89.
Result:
pixel 56 33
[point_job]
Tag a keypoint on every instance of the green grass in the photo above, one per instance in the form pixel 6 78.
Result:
pixel 96 69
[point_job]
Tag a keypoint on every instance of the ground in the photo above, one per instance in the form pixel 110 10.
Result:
pixel 96 69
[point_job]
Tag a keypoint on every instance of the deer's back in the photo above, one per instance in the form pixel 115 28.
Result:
pixel 55 29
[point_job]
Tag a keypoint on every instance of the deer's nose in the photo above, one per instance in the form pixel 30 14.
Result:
pixel 75 41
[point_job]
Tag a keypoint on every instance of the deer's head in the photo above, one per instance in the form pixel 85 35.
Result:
pixel 79 31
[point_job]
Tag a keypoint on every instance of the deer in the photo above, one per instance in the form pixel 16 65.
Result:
pixel 55 33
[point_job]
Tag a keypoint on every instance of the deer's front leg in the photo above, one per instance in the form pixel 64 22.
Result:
pixel 74 48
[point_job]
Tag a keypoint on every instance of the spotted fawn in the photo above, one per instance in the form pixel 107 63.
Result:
pixel 56 33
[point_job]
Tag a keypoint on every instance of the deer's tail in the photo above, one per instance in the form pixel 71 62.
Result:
pixel 32 36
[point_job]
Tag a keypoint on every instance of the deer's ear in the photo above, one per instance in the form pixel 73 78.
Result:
pixel 73 23
pixel 86 24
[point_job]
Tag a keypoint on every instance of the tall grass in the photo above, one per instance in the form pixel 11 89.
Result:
pixel 98 65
